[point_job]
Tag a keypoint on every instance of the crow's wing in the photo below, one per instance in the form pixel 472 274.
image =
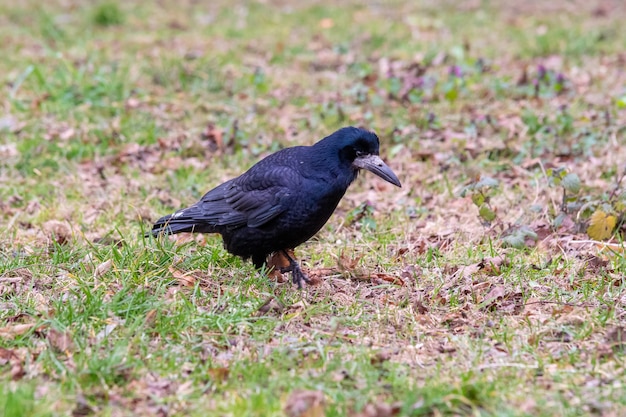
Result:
pixel 252 199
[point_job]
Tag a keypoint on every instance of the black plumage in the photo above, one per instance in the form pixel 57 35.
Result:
pixel 284 199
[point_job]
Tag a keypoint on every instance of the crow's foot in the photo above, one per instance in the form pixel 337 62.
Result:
pixel 297 276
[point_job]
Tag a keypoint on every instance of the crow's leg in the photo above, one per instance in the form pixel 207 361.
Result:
pixel 259 260
pixel 297 276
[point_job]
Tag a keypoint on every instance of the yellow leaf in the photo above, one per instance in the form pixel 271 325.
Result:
pixel 601 225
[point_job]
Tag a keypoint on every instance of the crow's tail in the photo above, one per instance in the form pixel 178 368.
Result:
pixel 180 222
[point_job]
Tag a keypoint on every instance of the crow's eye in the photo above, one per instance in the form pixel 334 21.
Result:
pixel 360 153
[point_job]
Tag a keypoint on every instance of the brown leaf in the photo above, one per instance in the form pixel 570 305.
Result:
pixel 59 230
pixel 219 374
pixel 6 355
pixel 67 133
pixel 9 332
pixel 276 262
pixel 271 305
pixel 103 268
pixel 380 357
pixel 9 356
pixel 317 275
pixel 326 23
pixel 346 264
pixel 186 279
pixel 420 307
pixel 380 410
pixel 82 407
pixel 150 317
pixel 305 404
pixel 491 265
pixel 61 341
pixel 496 292
pixel 215 137
pixel 388 278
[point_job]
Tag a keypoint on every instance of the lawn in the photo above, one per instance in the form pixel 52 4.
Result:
pixel 492 283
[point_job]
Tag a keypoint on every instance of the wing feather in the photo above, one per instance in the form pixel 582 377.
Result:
pixel 252 199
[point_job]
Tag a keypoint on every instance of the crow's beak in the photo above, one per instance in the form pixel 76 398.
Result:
pixel 374 164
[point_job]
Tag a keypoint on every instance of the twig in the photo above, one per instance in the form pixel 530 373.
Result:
pixel 596 242
pixel 508 365
pixel 561 303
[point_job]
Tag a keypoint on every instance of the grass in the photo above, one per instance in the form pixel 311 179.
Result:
pixel 115 113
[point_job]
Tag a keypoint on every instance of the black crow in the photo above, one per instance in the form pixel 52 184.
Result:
pixel 284 199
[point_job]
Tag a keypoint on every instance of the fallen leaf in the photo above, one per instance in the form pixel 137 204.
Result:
pixel 150 317
pixel 6 355
pixel 103 268
pixel 9 332
pixel 380 357
pixel 9 356
pixel 496 292
pixel 305 404
pixel 108 329
pixel 270 305
pixel 60 231
pixel 61 341
pixel 186 279
pixel 491 265
pixel 326 23
pixel 215 137
pixel 601 225
pixel 346 264
pixel 67 133
pixel 219 374
pixel 380 410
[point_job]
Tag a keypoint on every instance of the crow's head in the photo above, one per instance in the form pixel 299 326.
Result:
pixel 360 149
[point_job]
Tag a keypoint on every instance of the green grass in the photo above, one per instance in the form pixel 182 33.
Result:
pixel 421 308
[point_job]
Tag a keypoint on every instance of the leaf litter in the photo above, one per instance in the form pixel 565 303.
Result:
pixel 441 301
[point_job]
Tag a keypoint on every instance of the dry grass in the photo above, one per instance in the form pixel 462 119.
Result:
pixel 117 113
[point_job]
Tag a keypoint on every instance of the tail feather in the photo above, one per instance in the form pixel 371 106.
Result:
pixel 173 224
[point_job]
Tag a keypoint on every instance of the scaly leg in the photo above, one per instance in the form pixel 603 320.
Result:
pixel 297 276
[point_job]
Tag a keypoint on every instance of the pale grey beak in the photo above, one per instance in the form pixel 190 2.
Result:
pixel 374 164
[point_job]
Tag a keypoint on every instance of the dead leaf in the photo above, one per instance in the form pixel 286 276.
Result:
pixel 61 341
pixel 186 279
pixel 214 136
pixel 491 265
pixel 82 407
pixel 219 374
pixel 151 317
pixel 496 292
pixel 601 225
pixel 271 305
pixel 103 268
pixel 276 262
pixel 346 264
pixel 419 306
pixel 326 23
pixel 380 357
pixel 106 331
pixel 9 356
pixel 305 404
pixel 61 231
pixel 382 278
pixel 380 410
pixel 67 133
pixel 9 332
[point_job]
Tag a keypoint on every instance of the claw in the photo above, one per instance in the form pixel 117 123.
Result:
pixel 297 276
